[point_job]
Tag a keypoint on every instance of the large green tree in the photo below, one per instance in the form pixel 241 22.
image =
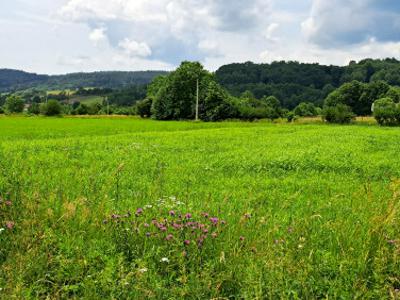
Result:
pixel 217 105
pixel 175 96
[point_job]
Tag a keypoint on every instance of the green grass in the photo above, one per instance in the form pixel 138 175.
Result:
pixel 312 211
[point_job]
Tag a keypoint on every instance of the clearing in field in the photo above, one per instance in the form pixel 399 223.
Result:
pixel 134 209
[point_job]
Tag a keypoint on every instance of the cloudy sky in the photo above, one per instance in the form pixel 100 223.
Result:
pixel 61 36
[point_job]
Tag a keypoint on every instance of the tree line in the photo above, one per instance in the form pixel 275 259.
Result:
pixel 174 95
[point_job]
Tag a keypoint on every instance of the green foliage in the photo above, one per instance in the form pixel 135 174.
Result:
pixel 290 116
pixel 51 108
pixel 94 108
pixel 305 109
pixel 14 104
pixel 34 109
pixel 394 94
pixel 359 96
pixel 143 107
pixel 127 96
pixel 386 112
pixel 251 108
pixel 16 80
pixel 294 82
pixel 217 105
pixel 176 95
pixel 341 114
pixel 82 109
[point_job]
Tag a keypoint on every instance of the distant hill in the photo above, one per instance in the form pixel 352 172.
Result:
pixel 17 80
pixel 14 79
pixel 294 82
pixel 291 82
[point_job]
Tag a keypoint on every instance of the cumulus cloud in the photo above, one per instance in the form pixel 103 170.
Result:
pixel 175 29
pixel 98 36
pixel 336 23
pixel 270 32
pixel 134 48
pixel 143 34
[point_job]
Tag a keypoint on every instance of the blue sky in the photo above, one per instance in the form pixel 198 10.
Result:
pixel 61 36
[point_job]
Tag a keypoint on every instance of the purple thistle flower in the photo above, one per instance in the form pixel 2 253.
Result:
pixel 205 215
pixel 148 234
pixel 214 220
pixel 187 242
pixel 146 225
pixel 139 211
pixel 177 226
pixel 169 237
pixel 172 213
pixel 114 216
pixel 205 230
pixel 188 216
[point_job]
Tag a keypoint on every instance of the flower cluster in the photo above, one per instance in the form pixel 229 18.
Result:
pixel 170 226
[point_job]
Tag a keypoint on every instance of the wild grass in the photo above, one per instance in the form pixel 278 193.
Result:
pixel 311 211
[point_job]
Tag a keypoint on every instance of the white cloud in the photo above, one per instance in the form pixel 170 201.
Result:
pixel 134 48
pixel 98 36
pixel 270 32
pixel 143 34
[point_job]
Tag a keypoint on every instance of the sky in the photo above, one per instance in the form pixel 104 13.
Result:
pixel 63 36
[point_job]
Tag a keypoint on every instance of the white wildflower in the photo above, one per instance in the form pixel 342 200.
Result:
pixel 1 230
pixel 143 270
pixel 164 259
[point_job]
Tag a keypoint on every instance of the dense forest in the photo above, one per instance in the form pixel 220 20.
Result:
pixel 294 82
pixel 12 80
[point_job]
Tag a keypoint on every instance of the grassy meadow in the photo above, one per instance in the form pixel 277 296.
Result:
pixel 123 208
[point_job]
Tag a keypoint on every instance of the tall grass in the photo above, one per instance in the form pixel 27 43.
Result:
pixel 311 211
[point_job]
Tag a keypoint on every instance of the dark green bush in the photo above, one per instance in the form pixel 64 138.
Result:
pixel 143 107
pixel 34 109
pixel 386 112
pixel 51 108
pixel 14 104
pixel 340 114
pixel 290 116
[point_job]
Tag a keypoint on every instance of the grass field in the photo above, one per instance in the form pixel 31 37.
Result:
pixel 138 209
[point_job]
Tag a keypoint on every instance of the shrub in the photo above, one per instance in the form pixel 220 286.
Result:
pixel 386 112
pixel 290 116
pixel 34 109
pixel 51 108
pixel 305 110
pixel 340 114
pixel 94 108
pixel 1 110
pixel 143 107
pixel 82 109
pixel 14 104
